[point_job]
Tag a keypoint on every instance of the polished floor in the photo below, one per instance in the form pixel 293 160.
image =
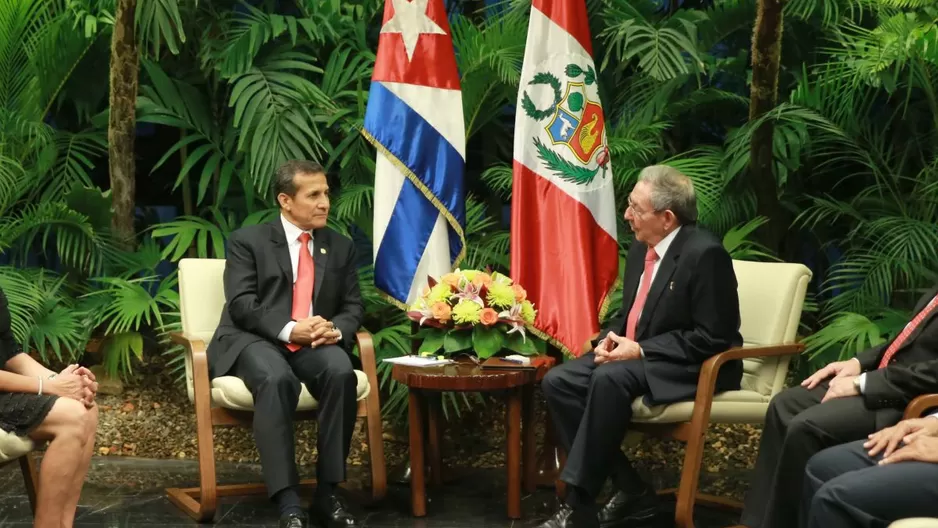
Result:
pixel 128 492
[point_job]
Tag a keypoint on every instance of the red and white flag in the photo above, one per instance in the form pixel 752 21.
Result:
pixel 563 217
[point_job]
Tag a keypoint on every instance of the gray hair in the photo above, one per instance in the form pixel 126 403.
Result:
pixel 284 179
pixel 670 189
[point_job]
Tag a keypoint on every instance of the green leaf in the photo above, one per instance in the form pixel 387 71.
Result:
pixel 486 341
pixel 432 341
pixel 522 345
pixel 457 341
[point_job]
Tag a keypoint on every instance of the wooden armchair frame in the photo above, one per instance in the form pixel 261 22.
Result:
pixel 694 432
pixel 920 405
pixel 201 502
pixel 30 475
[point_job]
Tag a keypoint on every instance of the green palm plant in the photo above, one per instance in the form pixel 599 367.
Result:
pixel 54 225
pixel 861 125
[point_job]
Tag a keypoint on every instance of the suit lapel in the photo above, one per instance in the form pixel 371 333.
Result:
pixel 320 257
pixel 662 279
pixel 281 251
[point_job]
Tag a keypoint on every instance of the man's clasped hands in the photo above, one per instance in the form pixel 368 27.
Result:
pixel 314 331
pixel 614 347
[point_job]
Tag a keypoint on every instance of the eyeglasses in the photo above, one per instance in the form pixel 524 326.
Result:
pixel 634 209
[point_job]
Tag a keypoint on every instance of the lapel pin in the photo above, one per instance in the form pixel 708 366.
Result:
pixel 672 285
pixel 322 250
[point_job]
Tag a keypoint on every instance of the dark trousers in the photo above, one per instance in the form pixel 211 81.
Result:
pixel 797 426
pixel 273 375
pixel 591 407
pixel 845 488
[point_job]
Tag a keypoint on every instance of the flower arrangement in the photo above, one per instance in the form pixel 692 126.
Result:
pixel 471 309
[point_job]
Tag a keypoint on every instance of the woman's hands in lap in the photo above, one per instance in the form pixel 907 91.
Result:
pixel 75 382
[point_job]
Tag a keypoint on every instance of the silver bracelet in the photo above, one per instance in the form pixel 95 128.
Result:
pixel 40 384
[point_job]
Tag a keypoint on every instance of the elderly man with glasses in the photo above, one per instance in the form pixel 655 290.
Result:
pixel 679 308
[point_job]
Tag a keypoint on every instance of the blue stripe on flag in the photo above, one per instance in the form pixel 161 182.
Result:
pixel 437 165
pixel 419 146
pixel 404 242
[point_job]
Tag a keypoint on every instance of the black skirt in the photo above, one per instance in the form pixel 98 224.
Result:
pixel 20 412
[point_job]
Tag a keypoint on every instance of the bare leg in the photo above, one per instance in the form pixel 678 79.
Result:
pixel 66 427
pixel 74 493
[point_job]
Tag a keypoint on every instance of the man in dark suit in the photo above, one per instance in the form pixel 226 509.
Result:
pixel 680 307
pixel 843 402
pixel 891 476
pixel 293 307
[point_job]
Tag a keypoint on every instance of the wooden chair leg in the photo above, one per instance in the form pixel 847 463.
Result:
pixel 690 472
pixel 379 474
pixel 207 492
pixel 30 478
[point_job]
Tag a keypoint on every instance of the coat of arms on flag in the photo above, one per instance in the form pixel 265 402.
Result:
pixel 574 120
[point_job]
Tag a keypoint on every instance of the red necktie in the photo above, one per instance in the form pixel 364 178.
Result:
pixel 650 258
pixel 303 287
pixel 907 331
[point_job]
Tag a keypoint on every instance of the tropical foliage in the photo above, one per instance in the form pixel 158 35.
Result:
pixel 232 90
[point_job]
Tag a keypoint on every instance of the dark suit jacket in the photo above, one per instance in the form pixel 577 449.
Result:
pixel 691 313
pixel 259 290
pixel 912 372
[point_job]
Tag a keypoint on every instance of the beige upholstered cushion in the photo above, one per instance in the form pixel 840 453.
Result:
pixel 771 296
pixel 915 522
pixel 13 446
pixel 201 300
pixel 231 393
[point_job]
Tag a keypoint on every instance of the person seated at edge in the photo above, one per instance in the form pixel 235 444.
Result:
pixel 840 403
pixel 680 307
pixel 45 406
pixel 292 309
pixel 891 476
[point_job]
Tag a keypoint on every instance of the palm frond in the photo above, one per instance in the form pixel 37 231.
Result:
pixel 273 114
pixel 664 52
pixel 246 34
pixel 499 179
pixel 159 22
pixel 175 103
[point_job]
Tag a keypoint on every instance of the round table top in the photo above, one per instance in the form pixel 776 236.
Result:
pixel 463 375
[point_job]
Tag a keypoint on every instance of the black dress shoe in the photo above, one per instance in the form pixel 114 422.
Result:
pixel 331 512
pixel 627 510
pixel 293 520
pixel 567 517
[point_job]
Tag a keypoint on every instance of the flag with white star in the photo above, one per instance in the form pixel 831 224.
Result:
pixel 415 121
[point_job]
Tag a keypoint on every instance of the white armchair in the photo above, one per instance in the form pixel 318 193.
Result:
pixel 771 297
pixel 226 401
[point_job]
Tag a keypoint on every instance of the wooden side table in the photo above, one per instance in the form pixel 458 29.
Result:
pixel 466 376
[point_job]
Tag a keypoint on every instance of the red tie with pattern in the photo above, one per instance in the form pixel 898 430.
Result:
pixel 303 287
pixel 650 258
pixel 907 331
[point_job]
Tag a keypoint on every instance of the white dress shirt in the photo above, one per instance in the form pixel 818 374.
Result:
pixel 661 248
pixel 293 233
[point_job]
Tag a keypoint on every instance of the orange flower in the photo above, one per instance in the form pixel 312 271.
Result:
pixel 482 279
pixel 488 316
pixel 520 294
pixel 451 278
pixel 441 311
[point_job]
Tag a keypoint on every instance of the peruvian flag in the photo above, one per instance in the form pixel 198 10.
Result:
pixel 563 217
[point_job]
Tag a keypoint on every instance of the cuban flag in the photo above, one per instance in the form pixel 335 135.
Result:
pixel 563 218
pixel 415 121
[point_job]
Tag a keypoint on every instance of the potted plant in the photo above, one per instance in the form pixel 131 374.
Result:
pixel 471 311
